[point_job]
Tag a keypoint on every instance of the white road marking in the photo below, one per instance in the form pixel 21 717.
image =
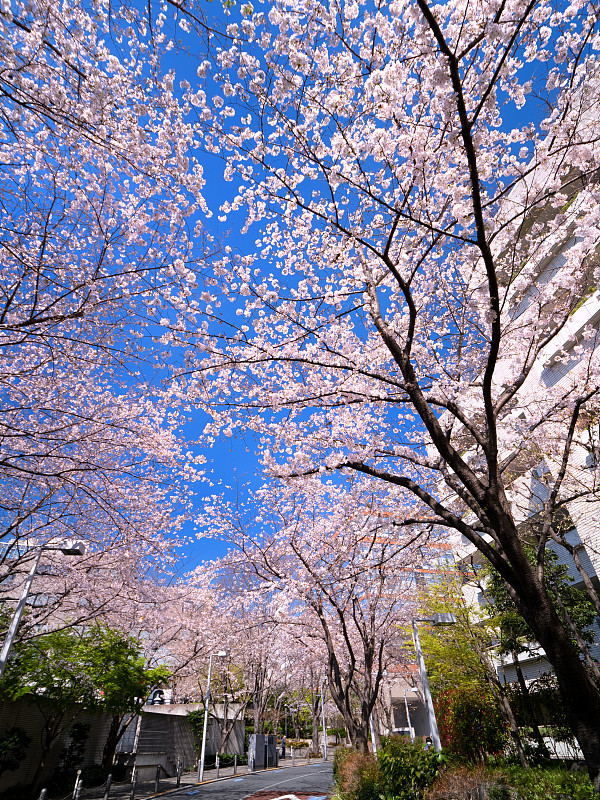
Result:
pixel 289 780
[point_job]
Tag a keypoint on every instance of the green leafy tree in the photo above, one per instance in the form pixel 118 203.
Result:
pixel 576 608
pixel 515 636
pixel 67 671
pixel 458 656
pixel 124 680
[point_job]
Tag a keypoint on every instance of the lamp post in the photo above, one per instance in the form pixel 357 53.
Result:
pixel 68 549
pixel 410 729
pixel 220 654
pixel 437 620
pixel 324 723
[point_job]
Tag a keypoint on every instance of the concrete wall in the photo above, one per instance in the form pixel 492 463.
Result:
pixel 25 714
pixel 419 719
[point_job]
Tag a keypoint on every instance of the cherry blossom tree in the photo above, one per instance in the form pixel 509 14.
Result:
pixel 420 180
pixel 338 573
pixel 100 195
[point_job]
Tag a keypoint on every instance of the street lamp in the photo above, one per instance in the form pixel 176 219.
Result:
pixel 324 722
pixel 220 654
pixel 437 620
pixel 68 549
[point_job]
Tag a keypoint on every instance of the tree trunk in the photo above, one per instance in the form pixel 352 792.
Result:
pixel 581 697
pixel 314 711
pixel 579 694
pixel 499 693
pixel 527 700
pixel 315 735
pixel 50 731
pixel 258 722
pixel 108 753
pixel 508 715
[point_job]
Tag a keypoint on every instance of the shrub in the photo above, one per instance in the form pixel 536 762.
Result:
pixel 227 759
pixel 471 725
pixel 542 783
pixel 339 757
pixel 356 775
pixel 13 749
pixel 403 771
pixel 463 783
pixel 406 769
pixel 296 743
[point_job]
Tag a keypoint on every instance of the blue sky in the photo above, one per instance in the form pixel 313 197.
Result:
pixel 232 463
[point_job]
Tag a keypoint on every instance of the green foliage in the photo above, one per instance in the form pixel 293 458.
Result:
pixel 196 720
pixel 339 757
pixel 120 671
pixel 546 703
pixel 406 769
pixel 97 668
pixel 543 783
pixel 514 631
pixel 227 759
pixel 51 669
pixel 455 655
pixel 72 756
pixel 13 748
pixel 470 723
pixel 94 668
pixel 403 771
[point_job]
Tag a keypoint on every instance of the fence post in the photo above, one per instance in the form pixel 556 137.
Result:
pixel 108 783
pixel 157 780
pixel 217 764
pixel 235 764
pixel 133 783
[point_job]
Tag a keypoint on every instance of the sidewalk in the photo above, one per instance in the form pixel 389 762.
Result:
pixel 145 790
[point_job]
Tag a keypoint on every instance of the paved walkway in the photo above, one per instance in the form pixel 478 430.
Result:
pixel 189 782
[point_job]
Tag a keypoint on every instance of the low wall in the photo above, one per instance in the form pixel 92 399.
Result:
pixel 24 713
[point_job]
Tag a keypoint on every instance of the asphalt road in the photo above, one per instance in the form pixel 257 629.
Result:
pixel 316 779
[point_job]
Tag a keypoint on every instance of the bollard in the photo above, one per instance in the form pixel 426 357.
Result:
pixel 308 756
pixel 78 789
pixel 107 792
pixel 133 783
pixel 235 765
pixel 293 761
pixel 217 764
pixel 77 779
pixel 179 768
pixel 157 780
pixel 43 794
pixel 199 767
